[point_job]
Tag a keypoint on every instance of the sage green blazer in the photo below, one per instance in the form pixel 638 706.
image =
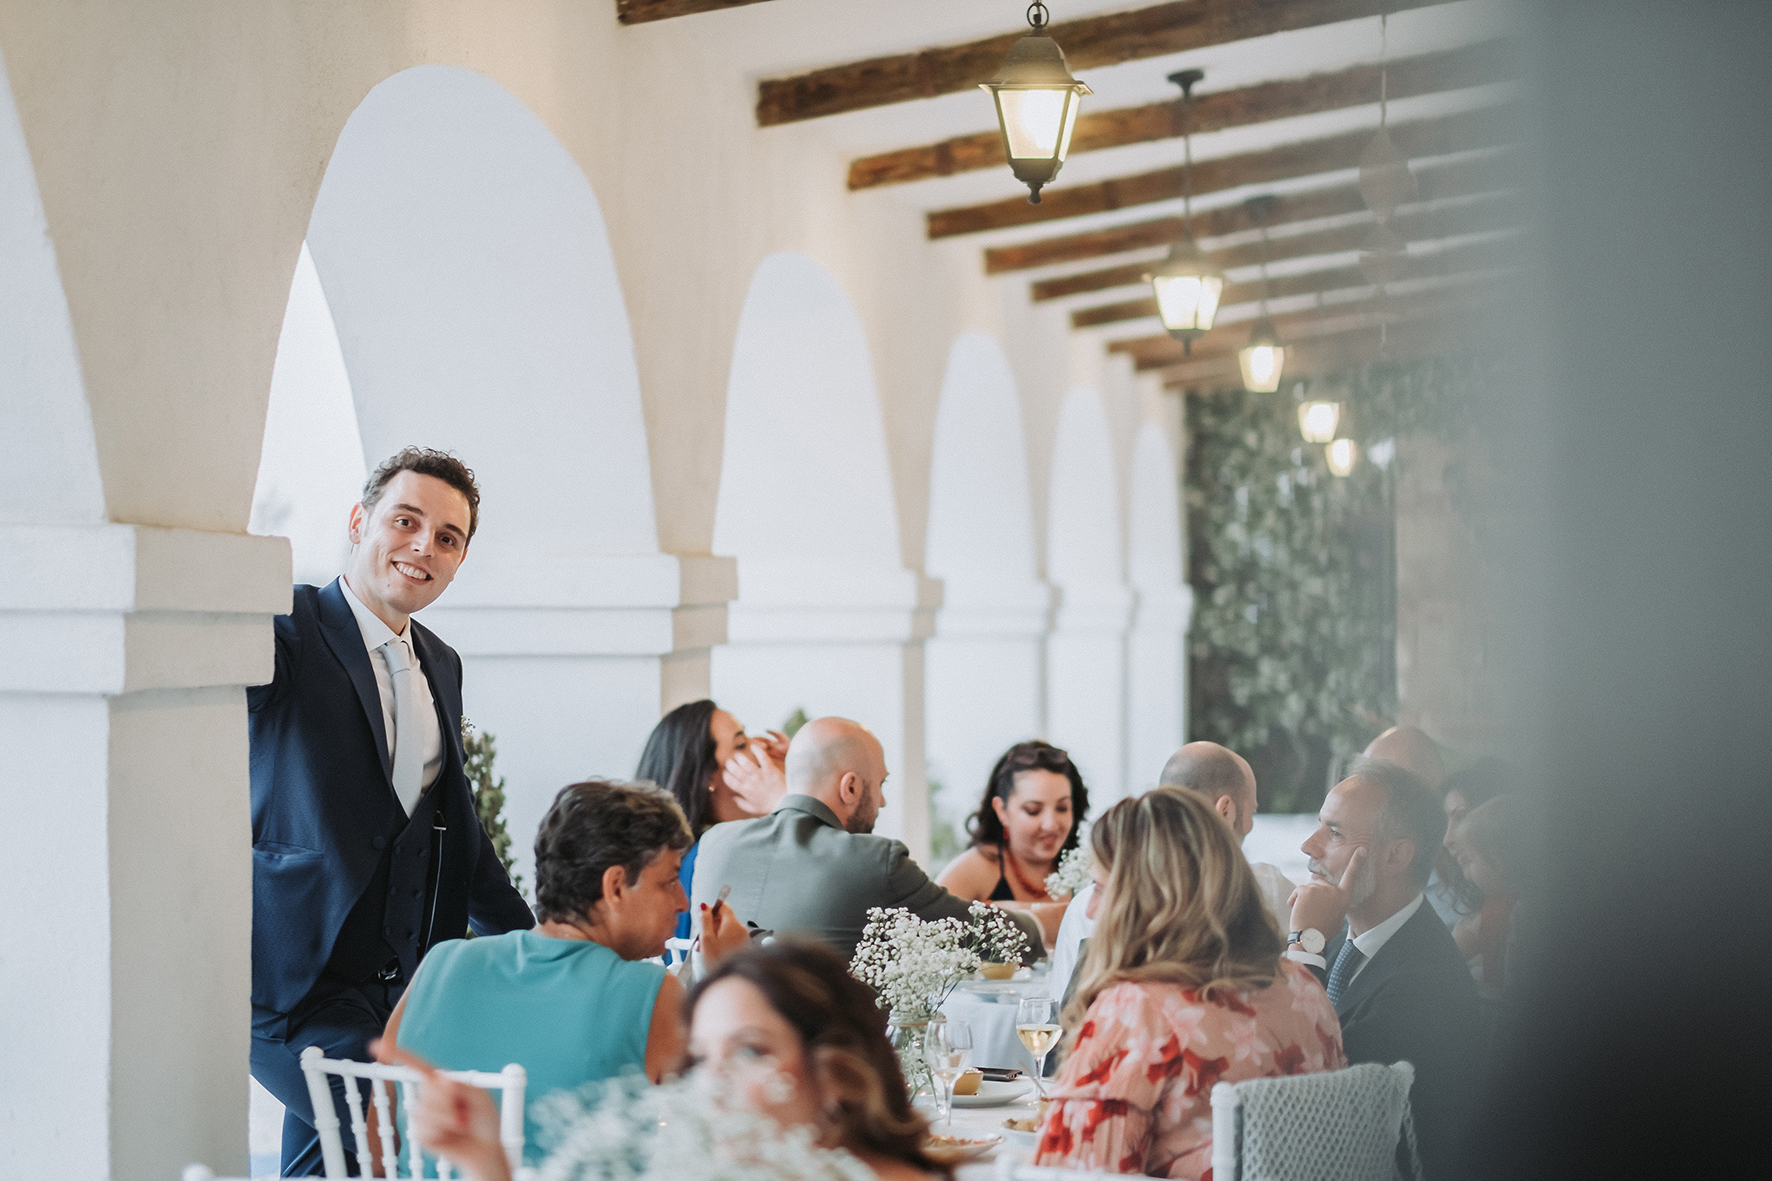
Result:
pixel 797 871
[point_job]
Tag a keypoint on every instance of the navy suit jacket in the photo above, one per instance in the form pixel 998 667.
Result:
pixel 1415 1002
pixel 324 812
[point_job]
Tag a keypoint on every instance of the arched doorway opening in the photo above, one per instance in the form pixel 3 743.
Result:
pixel 827 619
pixel 985 665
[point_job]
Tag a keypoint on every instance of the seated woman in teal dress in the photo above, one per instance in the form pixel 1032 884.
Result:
pixel 571 1001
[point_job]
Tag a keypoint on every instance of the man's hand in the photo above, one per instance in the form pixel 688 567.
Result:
pixel 1323 905
pixel 754 776
pixel 452 1119
pixel 721 933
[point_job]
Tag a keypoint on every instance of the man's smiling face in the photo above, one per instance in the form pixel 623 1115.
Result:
pixel 409 546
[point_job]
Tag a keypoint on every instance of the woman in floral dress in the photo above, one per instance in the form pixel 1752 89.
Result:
pixel 1183 985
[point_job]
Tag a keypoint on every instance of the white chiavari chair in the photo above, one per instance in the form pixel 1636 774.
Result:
pixel 509 1082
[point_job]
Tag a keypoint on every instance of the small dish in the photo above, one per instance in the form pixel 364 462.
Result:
pixel 955 1150
pixel 993 1094
pixel 1025 1138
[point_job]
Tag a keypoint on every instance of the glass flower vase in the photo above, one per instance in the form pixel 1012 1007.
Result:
pixel 907 1030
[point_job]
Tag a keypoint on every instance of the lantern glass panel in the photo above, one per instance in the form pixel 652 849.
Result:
pixel 1261 364
pixel 1341 455
pixel 1317 421
pixel 1187 301
pixel 1035 121
pixel 1072 105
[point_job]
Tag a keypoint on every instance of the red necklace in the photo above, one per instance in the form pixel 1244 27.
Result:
pixel 1038 892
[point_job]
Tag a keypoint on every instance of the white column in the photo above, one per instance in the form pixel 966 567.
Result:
pixel 986 674
pixel 1156 682
pixel 569 662
pixel 1086 684
pixel 805 636
pixel 125 965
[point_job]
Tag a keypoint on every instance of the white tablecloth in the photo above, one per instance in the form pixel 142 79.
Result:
pixel 992 1018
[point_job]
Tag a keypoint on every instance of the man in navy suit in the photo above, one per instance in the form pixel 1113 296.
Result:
pixel 367 849
pixel 1400 985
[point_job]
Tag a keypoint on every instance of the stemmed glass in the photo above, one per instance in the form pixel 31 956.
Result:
pixel 948 1050
pixel 1036 1024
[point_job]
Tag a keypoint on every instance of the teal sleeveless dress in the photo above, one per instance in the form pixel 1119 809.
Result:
pixel 568 1011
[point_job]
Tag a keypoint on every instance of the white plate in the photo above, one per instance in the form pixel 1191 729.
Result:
pixel 957 1151
pixel 993 987
pixel 994 1094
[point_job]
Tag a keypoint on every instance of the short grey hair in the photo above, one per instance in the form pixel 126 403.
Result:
pixel 1410 809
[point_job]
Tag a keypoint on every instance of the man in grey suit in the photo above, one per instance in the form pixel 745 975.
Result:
pixel 813 866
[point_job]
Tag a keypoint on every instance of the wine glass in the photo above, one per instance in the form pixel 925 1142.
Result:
pixel 948 1049
pixel 1036 1024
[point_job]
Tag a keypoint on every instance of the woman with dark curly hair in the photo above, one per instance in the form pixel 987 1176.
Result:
pixel 800 1040
pixel 1028 819
pixel 571 999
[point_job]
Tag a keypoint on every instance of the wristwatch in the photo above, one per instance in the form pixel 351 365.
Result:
pixel 1310 939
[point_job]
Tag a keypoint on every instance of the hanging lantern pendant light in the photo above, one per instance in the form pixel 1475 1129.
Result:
pixel 1186 284
pixel 1036 100
pixel 1263 357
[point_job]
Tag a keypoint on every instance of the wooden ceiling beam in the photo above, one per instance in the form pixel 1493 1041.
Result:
pixel 638 12
pixel 1087 43
pixel 1429 73
pixel 1457 179
pixel 1480 128
pixel 1160 352
pixel 1485 254
pixel 1333 352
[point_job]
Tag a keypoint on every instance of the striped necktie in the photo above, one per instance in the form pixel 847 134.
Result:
pixel 1342 974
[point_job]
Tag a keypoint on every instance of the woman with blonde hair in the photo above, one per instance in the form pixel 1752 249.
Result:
pixel 1183 986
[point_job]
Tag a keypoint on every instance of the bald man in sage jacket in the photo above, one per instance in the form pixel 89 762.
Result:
pixel 813 866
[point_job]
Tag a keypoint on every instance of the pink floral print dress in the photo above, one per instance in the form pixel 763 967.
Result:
pixel 1135 1095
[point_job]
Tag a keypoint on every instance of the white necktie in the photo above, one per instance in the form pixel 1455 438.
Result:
pixel 409 743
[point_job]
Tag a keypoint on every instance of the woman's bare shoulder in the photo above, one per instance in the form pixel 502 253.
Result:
pixel 972 875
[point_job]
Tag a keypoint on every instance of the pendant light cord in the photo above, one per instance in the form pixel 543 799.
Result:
pixel 1187 147
pixel 1264 267
pixel 1383 68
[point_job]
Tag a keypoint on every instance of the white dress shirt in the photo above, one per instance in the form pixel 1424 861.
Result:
pixel 375 634
pixel 1073 928
pixel 1373 940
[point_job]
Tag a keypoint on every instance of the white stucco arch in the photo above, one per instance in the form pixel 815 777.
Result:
pixel 985 665
pixel 1156 673
pixel 826 619
pixel 48 454
pixel 457 284
pixel 1086 653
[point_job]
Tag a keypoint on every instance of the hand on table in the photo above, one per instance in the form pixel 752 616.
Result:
pixel 1323 905
pixel 451 1119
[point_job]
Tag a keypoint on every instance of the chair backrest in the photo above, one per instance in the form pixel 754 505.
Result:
pixel 1341 1126
pixel 510 1082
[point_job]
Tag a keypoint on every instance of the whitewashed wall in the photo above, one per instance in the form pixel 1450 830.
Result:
pixel 1156 647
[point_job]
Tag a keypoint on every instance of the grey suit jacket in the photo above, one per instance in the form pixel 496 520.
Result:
pixel 798 871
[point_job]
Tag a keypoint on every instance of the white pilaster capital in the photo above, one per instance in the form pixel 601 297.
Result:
pixel 112 608
pixel 790 601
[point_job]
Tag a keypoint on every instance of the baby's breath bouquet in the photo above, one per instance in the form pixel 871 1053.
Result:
pixel 1074 869
pixel 628 1130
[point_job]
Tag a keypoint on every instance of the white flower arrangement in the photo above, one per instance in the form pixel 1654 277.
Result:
pixel 628 1130
pixel 1074 870
pixel 915 963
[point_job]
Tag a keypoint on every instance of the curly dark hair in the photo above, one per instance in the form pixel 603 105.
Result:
pixel 679 757
pixel 426 462
pixel 592 827
pixel 854 1068
pixel 983 825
